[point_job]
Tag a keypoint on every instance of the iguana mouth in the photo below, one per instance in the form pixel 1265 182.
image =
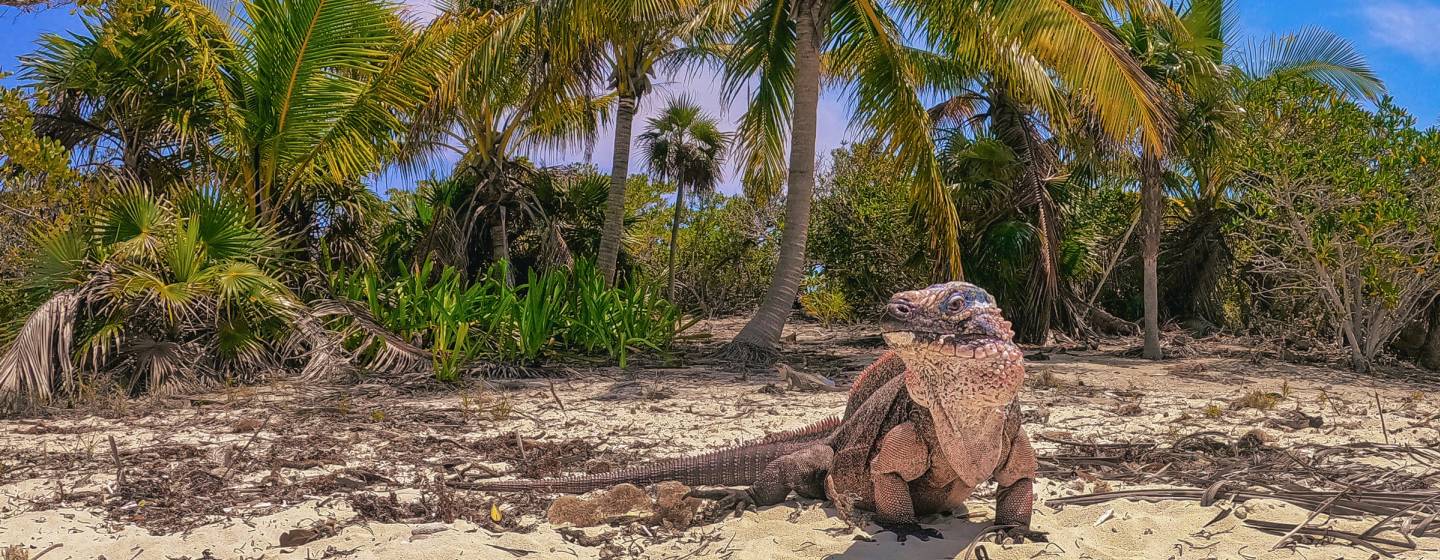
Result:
pixel 906 338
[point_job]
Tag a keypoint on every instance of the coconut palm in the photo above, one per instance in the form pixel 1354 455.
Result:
pixel 643 37
pixel 521 81
pixel 684 146
pixel 780 45
pixel 303 95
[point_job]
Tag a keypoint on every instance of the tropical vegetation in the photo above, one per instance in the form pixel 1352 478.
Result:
pixel 329 189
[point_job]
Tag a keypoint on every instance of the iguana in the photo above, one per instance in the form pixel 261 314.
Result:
pixel 806 381
pixel 930 420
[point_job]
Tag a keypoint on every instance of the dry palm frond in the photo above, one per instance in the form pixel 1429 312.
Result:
pixel 327 355
pixel 43 348
pixel 168 367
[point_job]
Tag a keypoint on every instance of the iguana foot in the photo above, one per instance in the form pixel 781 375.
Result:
pixel 906 530
pixel 1018 534
pixel 727 499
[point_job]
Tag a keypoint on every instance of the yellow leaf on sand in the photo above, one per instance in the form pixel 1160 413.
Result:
pixel 495 513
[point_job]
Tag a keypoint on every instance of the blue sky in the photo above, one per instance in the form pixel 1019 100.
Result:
pixel 1400 38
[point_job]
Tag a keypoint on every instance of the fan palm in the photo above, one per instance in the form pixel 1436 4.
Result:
pixel 780 43
pixel 158 293
pixel 684 146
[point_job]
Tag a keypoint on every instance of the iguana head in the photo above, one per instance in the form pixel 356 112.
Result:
pixel 955 345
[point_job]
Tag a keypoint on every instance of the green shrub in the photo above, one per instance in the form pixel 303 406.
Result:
pixel 558 312
pixel 728 250
pixel 864 235
pixel 826 304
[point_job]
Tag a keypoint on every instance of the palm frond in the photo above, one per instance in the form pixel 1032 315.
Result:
pixel 763 49
pixel 39 359
pixel 1316 53
pixel 378 350
pixel 887 83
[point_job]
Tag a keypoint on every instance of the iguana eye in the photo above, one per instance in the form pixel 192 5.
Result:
pixel 955 304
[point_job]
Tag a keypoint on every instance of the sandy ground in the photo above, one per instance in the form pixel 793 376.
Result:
pixel 224 475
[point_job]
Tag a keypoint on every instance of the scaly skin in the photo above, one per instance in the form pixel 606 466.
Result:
pixel 923 426
pixel 957 423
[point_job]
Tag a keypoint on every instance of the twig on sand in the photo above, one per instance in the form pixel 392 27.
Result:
pixel 119 468
pixel 1383 430
pixel 230 463
pixel 57 545
pixel 1313 514
pixel 1367 542
pixel 556 395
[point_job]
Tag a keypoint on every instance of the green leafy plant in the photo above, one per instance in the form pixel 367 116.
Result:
pixel 158 293
pixel 826 303
pixel 558 312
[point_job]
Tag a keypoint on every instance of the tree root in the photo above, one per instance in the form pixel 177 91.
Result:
pixel 743 355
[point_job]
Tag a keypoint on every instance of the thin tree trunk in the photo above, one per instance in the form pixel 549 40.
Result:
pixel 1151 196
pixel 614 227
pixel 1114 258
pixel 674 233
pixel 500 242
pixel 757 341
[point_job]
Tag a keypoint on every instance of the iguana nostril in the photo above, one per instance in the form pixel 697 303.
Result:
pixel 900 309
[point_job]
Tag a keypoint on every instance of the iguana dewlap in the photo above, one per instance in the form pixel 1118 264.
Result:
pixel 924 425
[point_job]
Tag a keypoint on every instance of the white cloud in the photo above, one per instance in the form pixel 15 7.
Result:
pixel 1410 27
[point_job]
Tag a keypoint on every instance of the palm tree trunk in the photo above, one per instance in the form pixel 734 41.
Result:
pixel 756 342
pixel 614 227
pixel 674 233
pixel 500 245
pixel 1151 196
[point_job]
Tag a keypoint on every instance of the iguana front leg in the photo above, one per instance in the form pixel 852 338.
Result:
pixel 902 457
pixel 802 472
pixel 1015 495
pixel 1014 504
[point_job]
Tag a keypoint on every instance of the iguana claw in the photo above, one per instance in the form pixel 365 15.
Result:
pixel 906 530
pixel 727 498
pixel 1019 534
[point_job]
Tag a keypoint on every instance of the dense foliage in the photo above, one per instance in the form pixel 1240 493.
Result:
pixel 191 197
pixel 1342 211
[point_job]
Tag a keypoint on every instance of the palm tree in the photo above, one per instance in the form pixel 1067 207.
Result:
pixel 686 146
pixel 286 110
pixel 520 82
pixel 302 95
pixel 644 36
pixel 780 42
pixel 1189 62
pixel 117 95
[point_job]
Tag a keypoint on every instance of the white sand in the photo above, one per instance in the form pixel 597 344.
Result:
pixel 708 409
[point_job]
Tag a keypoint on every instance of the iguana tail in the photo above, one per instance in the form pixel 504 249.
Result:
pixel 733 466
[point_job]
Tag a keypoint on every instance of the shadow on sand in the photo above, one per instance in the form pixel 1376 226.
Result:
pixel 959 532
